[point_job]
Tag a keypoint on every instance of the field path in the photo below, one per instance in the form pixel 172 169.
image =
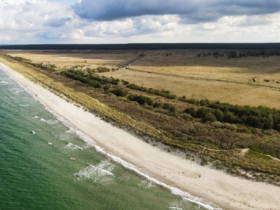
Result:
pixel 204 79
pixel 138 59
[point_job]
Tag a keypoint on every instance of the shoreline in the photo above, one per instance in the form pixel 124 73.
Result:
pixel 226 191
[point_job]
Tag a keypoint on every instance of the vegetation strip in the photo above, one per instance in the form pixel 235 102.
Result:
pixel 179 130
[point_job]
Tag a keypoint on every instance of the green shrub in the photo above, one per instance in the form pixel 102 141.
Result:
pixel 229 117
pixel 125 82
pixel 170 107
pixel 218 114
pixel 201 112
pixel 106 87
pixel 82 79
pixel 190 101
pixel 204 102
pixel 141 99
pixel 209 117
pixel 156 105
pixel 191 111
pixel 120 92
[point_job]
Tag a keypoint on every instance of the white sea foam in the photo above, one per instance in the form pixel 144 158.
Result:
pixel 73 147
pixel 24 105
pixel 85 138
pixel 182 204
pixel 186 196
pixel 4 82
pixel 106 165
pixel 49 143
pixel 94 173
pixel 36 117
pixel 63 136
pixel 175 191
pixel 52 122
pixel 43 120
pixel 71 131
pixel 146 184
pixel 72 158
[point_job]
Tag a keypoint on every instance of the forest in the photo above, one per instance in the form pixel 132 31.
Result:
pixel 149 46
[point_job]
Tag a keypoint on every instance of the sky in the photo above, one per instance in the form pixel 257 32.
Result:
pixel 139 21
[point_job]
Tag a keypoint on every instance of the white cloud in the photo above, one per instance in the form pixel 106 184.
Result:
pixel 31 17
pixel 40 21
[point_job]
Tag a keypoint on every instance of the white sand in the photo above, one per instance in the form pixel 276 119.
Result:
pixel 227 191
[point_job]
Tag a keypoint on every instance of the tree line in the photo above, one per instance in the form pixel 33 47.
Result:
pixel 259 117
pixel 148 46
pixel 242 54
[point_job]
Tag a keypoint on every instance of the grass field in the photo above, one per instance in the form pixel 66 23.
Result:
pixel 66 59
pixel 223 79
pixel 186 63
pixel 244 81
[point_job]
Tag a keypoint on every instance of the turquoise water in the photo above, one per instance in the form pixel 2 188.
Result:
pixel 44 165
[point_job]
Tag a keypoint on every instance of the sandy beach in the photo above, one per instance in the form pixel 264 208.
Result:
pixel 213 186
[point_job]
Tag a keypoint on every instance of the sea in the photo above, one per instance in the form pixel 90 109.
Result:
pixel 47 164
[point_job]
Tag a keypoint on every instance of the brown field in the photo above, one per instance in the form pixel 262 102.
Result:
pixel 182 73
pixel 66 59
pixel 186 63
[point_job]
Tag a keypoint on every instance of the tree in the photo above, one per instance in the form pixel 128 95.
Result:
pixel 201 112
pixel 120 92
pixel 218 114
pixel 209 117
pixel 204 102
pixel 191 111
pixel 229 117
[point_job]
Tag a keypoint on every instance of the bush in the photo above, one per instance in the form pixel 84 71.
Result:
pixel 115 81
pixel 106 87
pixel 191 111
pixel 204 102
pixel 190 101
pixel 209 117
pixel 201 112
pixel 125 82
pixel 157 105
pixel 170 107
pixel 102 69
pixel 141 99
pixel 218 114
pixel 120 92
pixel 82 79
pixel 229 117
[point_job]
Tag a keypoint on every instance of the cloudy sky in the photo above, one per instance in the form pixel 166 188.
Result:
pixel 138 21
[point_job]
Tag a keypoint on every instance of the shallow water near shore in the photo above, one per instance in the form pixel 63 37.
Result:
pixel 44 165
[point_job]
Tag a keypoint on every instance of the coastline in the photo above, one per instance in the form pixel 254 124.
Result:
pixel 227 191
